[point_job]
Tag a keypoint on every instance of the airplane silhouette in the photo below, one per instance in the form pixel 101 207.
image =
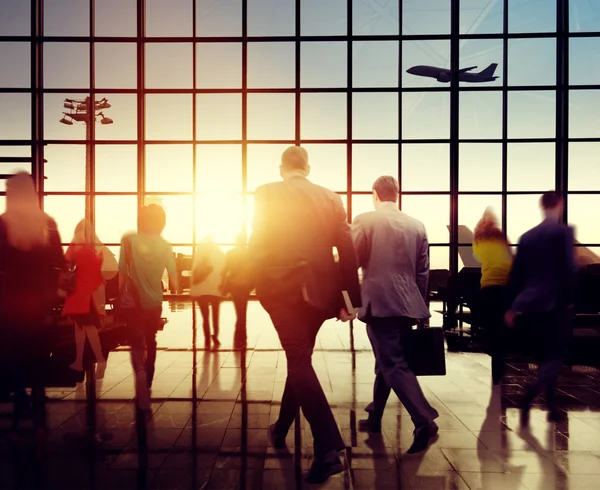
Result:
pixel 444 75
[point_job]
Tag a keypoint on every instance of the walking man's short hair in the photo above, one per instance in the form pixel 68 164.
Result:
pixel 550 200
pixel 387 188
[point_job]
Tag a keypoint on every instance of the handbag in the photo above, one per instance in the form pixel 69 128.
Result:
pixel 425 351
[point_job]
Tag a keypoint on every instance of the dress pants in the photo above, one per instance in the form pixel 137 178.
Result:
pixel 143 326
pixel 240 302
pixel 492 303
pixel 388 337
pixel 297 325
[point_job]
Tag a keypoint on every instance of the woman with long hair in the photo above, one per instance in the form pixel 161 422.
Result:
pixel 31 258
pixel 85 304
pixel 492 250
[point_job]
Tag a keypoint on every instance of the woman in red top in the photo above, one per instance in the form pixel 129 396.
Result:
pixel 85 304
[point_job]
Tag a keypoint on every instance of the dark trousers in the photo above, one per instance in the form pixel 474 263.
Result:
pixel 492 303
pixel 297 326
pixel 240 303
pixel 206 303
pixel 388 337
pixel 21 403
pixel 143 326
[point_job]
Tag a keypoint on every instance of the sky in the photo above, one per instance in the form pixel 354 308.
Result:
pixel 220 208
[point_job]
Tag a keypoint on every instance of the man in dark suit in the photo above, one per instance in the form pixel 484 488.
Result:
pixel 297 224
pixel 542 281
pixel 393 253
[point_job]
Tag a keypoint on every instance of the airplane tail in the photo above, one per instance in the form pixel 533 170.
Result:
pixel 489 71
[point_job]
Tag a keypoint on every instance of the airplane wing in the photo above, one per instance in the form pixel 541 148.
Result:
pixel 463 70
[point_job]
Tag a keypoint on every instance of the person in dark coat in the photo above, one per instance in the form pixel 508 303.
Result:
pixel 542 283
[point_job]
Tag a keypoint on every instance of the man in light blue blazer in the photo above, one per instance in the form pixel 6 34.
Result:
pixel 393 252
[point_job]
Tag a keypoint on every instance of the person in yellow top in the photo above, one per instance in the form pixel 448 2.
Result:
pixel 492 250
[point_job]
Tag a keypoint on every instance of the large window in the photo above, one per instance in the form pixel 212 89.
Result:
pixel 196 115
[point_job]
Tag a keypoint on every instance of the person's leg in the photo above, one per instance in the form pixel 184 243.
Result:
pixel 152 320
pixel 138 347
pixel 216 307
pixel 91 332
pixel 79 331
pixel 239 336
pixel 203 304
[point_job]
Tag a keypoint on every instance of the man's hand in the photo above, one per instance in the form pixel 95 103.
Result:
pixel 509 318
pixel 345 316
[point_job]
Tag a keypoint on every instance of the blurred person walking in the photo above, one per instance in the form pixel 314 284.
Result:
pixel 31 259
pixel 207 277
pixel 298 282
pixel 393 252
pixel 143 258
pixel 542 285
pixel 85 305
pixel 492 250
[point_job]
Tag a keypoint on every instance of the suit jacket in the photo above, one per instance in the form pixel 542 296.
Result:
pixel 542 278
pixel 296 226
pixel 393 251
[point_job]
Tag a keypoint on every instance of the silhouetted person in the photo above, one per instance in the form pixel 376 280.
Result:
pixel 30 260
pixel 237 283
pixel 393 252
pixel 492 250
pixel 85 305
pixel 542 281
pixel 207 276
pixel 299 283
pixel 144 256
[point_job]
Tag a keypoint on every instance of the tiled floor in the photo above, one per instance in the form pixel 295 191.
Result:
pixel 220 440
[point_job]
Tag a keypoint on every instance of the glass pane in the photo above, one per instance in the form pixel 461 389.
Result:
pixel 54 111
pixel 584 166
pixel 470 211
pixel 481 17
pixel 123 112
pixel 271 116
pixel 263 164
pixel 65 168
pixel 531 166
pixel 180 222
pixel 219 169
pixel 219 116
pixel 18 57
pixel 169 65
pixel 169 168
pixel 323 64
pixel 360 204
pixel 16 18
pixel 67 211
pixel 169 117
pixel 425 167
pixel 116 168
pixel 66 65
pixel 66 18
pixel 583 16
pixel 328 165
pixel 271 65
pixel 480 167
pixel 115 216
pixel 584 61
pixel 433 211
pixel 480 115
pixel 219 65
pixel 321 18
pixel 11 169
pixel 375 17
pixel 439 259
pixel 116 18
pixel 375 64
pixel 425 115
pixel 425 17
pixel 15 122
pixel 531 16
pixel 375 115
pixel 481 55
pixel 523 213
pixel 271 17
pixel 531 114
pixel 323 116
pixel 222 18
pixel 583 113
pixel 425 54
pixel 369 162
pixel 223 226
pixel 116 65
pixel 172 18
pixel 532 62
pixel 583 216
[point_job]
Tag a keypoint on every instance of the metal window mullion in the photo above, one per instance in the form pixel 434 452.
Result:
pixel 562 105
pixel 141 101
pixel 297 61
pixel 37 100
pixel 91 148
pixel 454 133
pixel 400 72
pixel 504 210
pixel 349 95
pixel 245 115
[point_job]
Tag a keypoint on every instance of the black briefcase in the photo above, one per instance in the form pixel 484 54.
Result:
pixel 425 351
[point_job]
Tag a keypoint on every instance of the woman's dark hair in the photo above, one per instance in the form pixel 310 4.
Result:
pixel 152 219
